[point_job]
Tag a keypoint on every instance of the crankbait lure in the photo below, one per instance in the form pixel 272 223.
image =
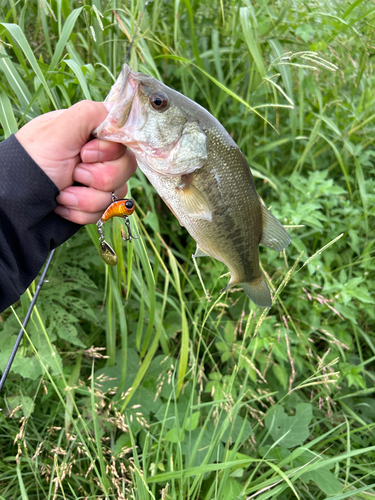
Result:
pixel 117 208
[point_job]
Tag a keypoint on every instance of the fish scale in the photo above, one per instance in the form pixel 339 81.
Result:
pixel 200 173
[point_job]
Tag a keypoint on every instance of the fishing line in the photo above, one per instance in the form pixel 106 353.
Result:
pixel 26 320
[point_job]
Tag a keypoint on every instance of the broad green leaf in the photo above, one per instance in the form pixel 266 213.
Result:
pixel 28 367
pixel 305 31
pixel 123 441
pixel 231 490
pixel 62 323
pixel 281 374
pixel 364 296
pixel 325 480
pixel 192 421
pixel 294 428
pixel 199 447
pixel 26 403
pixel 110 376
pixel 174 435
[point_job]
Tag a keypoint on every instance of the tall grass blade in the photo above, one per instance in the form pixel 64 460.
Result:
pixel 7 118
pixel 24 495
pixel 251 40
pixel 150 353
pixel 17 85
pixel 100 456
pixel 362 188
pixel 339 161
pixel 73 65
pixel 16 33
pixel 184 351
pixel 64 37
pixel 202 469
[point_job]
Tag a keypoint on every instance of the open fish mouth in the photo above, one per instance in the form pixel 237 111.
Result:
pixel 132 122
pixel 118 104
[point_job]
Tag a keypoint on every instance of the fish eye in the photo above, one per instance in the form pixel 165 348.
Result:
pixel 129 204
pixel 159 101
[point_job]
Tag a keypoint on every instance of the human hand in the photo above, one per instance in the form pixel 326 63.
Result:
pixel 59 142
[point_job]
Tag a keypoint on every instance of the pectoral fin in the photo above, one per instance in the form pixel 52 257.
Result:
pixel 274 235
pixel 193 201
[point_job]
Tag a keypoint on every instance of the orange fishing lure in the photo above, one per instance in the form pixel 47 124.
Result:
pixel 118 208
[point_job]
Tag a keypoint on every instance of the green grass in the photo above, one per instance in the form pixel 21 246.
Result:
pixel 143 381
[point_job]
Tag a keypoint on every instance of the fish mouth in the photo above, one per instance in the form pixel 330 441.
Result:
pixel 128 115
pixel 118 104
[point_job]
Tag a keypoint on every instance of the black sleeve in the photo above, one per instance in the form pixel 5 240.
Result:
pixel 29 228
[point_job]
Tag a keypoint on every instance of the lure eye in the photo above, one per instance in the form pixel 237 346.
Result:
pixel 159 101
pixel 129 204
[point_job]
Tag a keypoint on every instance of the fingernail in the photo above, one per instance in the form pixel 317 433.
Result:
pixel 62 211
pixel 92 156
pixel 83 176
pixel 68 199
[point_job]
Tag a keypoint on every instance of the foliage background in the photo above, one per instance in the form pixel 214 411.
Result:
pixel 143 381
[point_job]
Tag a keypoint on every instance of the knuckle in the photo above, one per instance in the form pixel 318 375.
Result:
pixel 86 107
pixel 81 105
pixel 105 183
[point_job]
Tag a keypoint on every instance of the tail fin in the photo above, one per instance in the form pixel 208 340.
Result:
pixel 258 292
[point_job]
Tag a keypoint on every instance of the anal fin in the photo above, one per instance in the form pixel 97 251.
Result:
pixel 274 235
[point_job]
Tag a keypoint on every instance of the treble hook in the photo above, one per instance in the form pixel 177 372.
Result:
pixel 130 236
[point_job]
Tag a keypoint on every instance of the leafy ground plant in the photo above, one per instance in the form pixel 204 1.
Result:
pixel 143 381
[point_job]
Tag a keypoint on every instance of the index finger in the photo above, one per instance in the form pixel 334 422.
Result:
pixel 99 151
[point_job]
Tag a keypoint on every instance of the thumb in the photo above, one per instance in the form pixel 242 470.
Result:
pixel 77 122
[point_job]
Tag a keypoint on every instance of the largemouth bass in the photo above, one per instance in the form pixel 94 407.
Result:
pixel 199 172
